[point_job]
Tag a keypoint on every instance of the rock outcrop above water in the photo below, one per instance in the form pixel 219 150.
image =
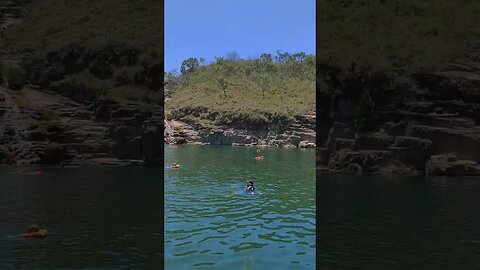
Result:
pixel 298 132
pixel 45 128
pixel 71 102
pixel 426 123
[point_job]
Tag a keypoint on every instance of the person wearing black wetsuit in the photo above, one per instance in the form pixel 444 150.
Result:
pixel 249 186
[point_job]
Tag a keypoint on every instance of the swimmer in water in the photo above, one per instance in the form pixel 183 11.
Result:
pixel 249 187
pixel 33 229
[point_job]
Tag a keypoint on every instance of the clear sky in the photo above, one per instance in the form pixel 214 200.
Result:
pixel 210 28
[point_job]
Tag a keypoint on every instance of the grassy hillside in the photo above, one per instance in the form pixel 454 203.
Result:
pixel 52 24
pixel 90 49
pixel 396 34
pixel 253 88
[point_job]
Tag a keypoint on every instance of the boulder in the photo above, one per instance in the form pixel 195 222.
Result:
pixel 294 140
pixel 368 160
pixel 54 153
pixel 449 165
pixel 344 144
pixel 305 136
pixel 276 143
pixel 219 137
pixel 412 151
pixel 306 144
pixel 396 128
pixel 373 141
pixel 465 142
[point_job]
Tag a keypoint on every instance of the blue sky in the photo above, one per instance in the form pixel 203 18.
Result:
pixel 210 28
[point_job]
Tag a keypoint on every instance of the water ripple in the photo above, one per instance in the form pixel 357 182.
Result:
pixel 211 224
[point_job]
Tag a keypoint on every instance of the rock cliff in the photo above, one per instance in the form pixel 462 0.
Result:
pixel 425 122
pixel 91 102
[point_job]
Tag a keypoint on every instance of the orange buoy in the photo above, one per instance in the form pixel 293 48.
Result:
pixel 258 157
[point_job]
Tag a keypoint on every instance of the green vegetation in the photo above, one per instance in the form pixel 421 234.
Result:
pixel 279 128
pixel 223 85
pixel 365 113
pixel 400 35
pixel 282 85
pixel 52 24
pixel 13 74
pixel 91 49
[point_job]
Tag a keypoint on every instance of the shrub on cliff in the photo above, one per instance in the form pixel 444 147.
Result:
pixel 279 129
pixel 13 75
pixel 365 113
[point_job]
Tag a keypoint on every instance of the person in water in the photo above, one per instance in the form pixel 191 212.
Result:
pixel 249 186
pixel 33 229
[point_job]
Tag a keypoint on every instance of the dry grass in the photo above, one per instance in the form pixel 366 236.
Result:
pixel 52 24
pixel 397 34
pixel 287 94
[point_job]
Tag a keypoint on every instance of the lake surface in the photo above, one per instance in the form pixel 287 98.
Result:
pixel 97 218
pixel 374 222
pixel 211 224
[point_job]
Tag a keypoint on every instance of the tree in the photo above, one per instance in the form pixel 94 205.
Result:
pixel 219 60
pixel 14 77
pixel 283 57
pixel 189 65
pixel 364 113
pixel 223 85
pixel 298 57
pixel 279 129
pixel 202 61
pixel 266 57
pixel 263 81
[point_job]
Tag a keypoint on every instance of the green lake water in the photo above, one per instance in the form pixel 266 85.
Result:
pixel 97 218
pixel 375 222
pixel 211 224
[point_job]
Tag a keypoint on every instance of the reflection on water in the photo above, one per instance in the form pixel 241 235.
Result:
pixel 97 218
pixel 210 223
pixel 374 222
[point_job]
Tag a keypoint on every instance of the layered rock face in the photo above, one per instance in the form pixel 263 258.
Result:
pixel 79 105
pixel 41 127
pixel 298 132
pixel 428 124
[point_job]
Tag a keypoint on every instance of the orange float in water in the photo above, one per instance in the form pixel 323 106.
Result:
pixel 34 232
pixel 258 157
pixel 175 166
